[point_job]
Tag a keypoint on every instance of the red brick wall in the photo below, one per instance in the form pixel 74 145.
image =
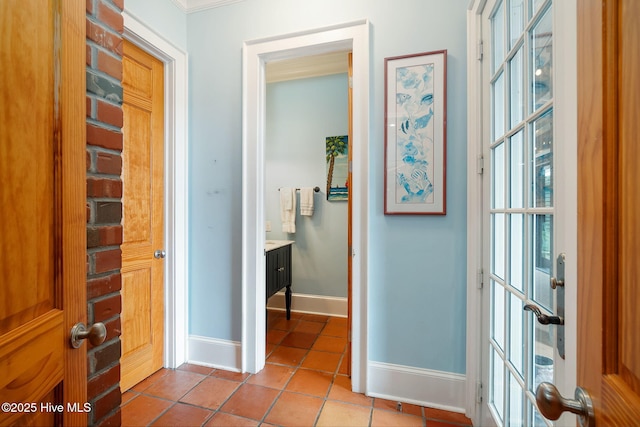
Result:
pixel 104 204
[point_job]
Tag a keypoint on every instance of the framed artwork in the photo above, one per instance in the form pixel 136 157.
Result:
pixel 337 167
pixel 415 134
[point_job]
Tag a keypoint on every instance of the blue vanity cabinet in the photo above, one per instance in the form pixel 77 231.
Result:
pixel 278 274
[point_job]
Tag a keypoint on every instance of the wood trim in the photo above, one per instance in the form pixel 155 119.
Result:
pixel 349 213
pixel 598 367
pixel 73 188
pixel 590 192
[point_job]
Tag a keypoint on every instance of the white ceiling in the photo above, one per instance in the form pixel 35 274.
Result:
pixel 307 66
pixel 190 6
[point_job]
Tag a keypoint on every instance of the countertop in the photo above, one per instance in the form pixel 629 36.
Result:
pixel 270 245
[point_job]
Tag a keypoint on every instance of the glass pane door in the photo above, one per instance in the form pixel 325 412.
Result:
pixel 520 203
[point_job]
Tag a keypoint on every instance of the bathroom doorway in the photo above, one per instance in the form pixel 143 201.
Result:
pixel 353 37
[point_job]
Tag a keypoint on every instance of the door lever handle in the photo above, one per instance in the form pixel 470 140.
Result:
pixel 543 319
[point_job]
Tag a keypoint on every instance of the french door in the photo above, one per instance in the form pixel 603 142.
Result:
pixel 521 243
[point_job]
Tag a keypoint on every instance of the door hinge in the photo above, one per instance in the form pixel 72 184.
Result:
pixel 480 283
pixel 478 392
pixel 350 166
pixel 480 50
pixel 351 82
pixel 480 165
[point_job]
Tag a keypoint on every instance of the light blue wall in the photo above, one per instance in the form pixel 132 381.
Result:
pixel 300 115
pixel 417 296
pixel 163 16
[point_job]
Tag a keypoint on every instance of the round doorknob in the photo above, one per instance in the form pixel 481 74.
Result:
pixel 96 334
pixel 551 404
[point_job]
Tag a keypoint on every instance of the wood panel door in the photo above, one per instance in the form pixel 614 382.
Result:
pixel 42 211
pixel 609 208
pixel 143 216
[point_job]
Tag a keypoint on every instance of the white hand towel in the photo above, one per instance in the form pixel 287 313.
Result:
pixel 288 209
pixel 306 201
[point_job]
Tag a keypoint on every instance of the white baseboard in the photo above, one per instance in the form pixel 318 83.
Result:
pixel 424 387
pixel 215 353
pixel 311 304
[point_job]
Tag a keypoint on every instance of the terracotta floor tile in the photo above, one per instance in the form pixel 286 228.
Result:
pixel 299 340
pixel 309 327
pixel 273 376
pixel 284 324
pixel 141 410
pixel 335 329
pixel 127 396
pixel 220 419
pixel 331 344
pixel 183 415
pixel 250 401
pixel 433 423
pixel 392 405
pixel 312 389
pixel 344 365
pixel 322 361
pixel 439 414
pixel 196 369
pixel 275 336
pixel 344 415
pixel 287 355
pixel 293 409
pixel 268 349
pixel 383 417
pixel 174 384
pixel 211 392
pixel 315 383
pixel 146 383
pixel 315 318
pixel 230 375
pixel 341 390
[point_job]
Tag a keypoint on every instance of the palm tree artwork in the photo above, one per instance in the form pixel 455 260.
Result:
pixel 337 167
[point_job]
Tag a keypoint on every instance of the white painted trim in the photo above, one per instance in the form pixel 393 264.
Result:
pixel 565 126
pixel 182 5
pixel 424 387
pixel 198 5
pixel 474 211
pixel 352 36
pixel 215 353
pixel 176 186
pixel 311 304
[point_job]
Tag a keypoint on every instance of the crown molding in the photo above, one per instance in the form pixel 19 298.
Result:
pixel 190 6
pixel 308 66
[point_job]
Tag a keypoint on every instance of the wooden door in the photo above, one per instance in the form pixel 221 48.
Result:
pixel 609 208
pixel 143 219
pixel 42 211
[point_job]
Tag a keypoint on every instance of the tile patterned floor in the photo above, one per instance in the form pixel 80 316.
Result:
pixel 304 383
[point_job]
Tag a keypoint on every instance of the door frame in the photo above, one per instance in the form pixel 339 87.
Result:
pixel 565 112
pixel 352 36
pixel 175 185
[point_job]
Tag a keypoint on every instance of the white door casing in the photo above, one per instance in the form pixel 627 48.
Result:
pixel 352 36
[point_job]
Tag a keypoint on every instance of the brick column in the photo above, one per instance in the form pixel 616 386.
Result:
pixel 104 204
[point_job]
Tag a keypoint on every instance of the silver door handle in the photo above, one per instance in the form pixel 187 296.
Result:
pixel 96 334
pixel 543 319
pixel 159 254
pixel 551 404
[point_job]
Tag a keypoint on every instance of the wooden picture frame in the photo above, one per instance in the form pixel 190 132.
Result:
pixel 415 134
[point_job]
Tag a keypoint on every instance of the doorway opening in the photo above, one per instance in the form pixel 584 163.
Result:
pixel 256 54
